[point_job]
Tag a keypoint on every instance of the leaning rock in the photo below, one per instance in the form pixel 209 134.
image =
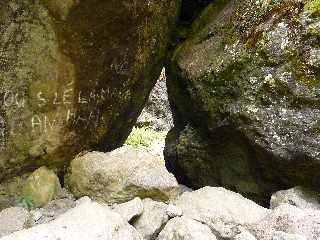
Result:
pixel 41 186
pixel 130 209
pixel 121 175
pixel 247 81
pixel 89 220
pixel 298 196
pixel 185 229
pixel 12 220
pixel 75 74
pixel 153 219
pixel 222 210
pixel 289 219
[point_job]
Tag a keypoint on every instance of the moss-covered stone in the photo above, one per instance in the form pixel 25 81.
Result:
pixel 250 71
pixel 41 187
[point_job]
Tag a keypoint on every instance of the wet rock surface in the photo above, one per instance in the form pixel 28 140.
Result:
pixel 247 82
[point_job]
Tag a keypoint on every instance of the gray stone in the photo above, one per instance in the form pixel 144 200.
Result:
pixel 12 220
pixel 174 211
pixel 157 113
pixel 298 196
pixel 130 209
pixel 289 219
pixel 88 220
pixel 277 235
pixel 244 235
pixel 152 220
pixel 185 229
pixel 222 210
pixel 121 175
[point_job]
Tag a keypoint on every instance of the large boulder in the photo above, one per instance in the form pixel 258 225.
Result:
pixel 225 212
pixel 121 175
pixel 88 220
pixel 75 75
pixel 245 94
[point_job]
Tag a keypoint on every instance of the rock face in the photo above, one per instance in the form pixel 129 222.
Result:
pixel 185 229
pixel 41 186
pixel 244 88
pixel 222 210
pixel 89 220
pixel 73 68
pixel 121 175
pixel 157 113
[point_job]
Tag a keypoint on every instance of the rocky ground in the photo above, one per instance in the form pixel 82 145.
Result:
pixel 128 194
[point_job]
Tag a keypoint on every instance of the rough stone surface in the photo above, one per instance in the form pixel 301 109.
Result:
pixel 247 81
pixel 88 220
pixel 277 235
pixel 222 210
pixel 53 209
pixel 298 196
pixel 73 68
pixel 130 209
pixel 41 187
pixel 290 220
pixel 12 220
pixel 244 235
pixel 153 219
pixel 157 113
pixel 185 229
pixel 121 175
pixel 174 211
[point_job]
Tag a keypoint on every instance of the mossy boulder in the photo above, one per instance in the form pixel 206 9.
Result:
pixel 41 187
pixel 247 81
pixel 75 75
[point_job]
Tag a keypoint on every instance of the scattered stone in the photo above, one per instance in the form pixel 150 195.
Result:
pixel 41 187
pixel 173 211
pixel 152 220
pixel 88 220
pixel 12 220
pixel 277 235
pixel 298 196
pixel 130 209
pixel 185 229
pixel 121 175
pixel 222 210
pixel 289 219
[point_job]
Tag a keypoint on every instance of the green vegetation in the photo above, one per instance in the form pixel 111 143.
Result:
pixel 313 6
pixel 144 137
pixel 26 202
